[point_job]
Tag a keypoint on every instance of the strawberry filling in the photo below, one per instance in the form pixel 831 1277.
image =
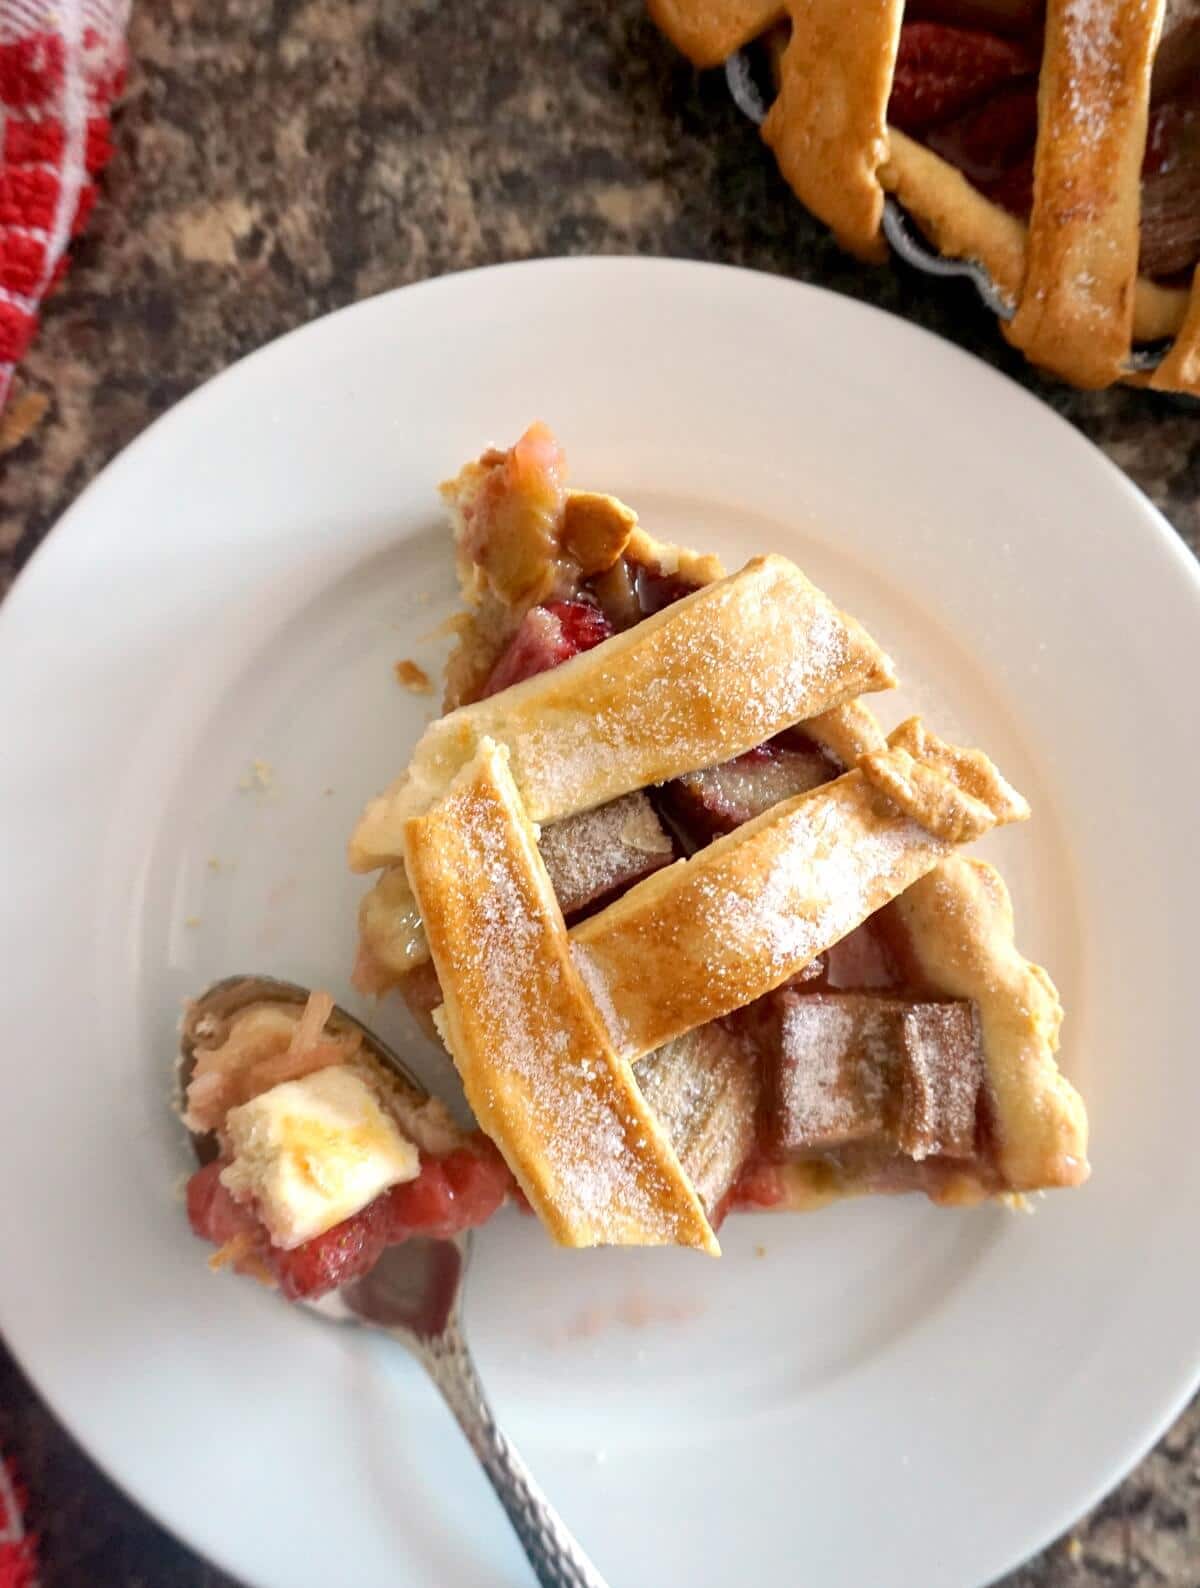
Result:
pixel 971 96
pixel 943 71
pixel 548 635
pixel 449 1194
pixel 759 1185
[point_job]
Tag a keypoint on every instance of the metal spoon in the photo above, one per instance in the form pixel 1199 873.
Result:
pixel 413 1295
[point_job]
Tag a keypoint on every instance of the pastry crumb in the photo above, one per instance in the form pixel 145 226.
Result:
pixel 1074 1548
pixel 413 677
pixel 328 792
pixel 214 863
pixel 258 779
pixel 21 418
pixel 191 920
pixel 760 1251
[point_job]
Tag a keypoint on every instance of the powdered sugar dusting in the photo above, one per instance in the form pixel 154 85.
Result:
pixel 1096 75
pixel 701 689
pixel 700 682
pixel 743 916
pixel 838 1060
pixel 591 854
pixel 943 1074
pixel 533 1055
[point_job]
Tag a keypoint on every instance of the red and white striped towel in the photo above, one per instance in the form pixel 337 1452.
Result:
pixel 18 1562
pixel 62 64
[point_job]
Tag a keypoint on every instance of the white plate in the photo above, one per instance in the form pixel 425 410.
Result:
pixel 878 1393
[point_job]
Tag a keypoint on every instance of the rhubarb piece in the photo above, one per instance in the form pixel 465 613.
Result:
pixel 547 636
pixel 704 1087
pixel 510 507
pixel 829 1069
pixel 422 992
pixel 942 71
pixel 603 851
pixel 854 1070
pixel 940 1077
pixel 863 961
pixel 721 798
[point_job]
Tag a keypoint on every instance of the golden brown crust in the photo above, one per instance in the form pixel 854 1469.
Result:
pixel 963 224
pixel 693 567
pixel 828 128
pixel 955 216
pixel 1158 312
pixel 596 529
pixel 1180 369
pixel 711 934
pixel 849 732
pixel 709 31
pixel 391 938
pixel 960 923
pixel 665 697
pixel 957 794
pixel 536 1066
pixel 1075 316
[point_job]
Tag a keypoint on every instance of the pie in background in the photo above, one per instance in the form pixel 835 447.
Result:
pixel 1058 145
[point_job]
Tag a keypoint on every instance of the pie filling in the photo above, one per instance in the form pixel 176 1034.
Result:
pixel 317 1158
pixel 858 1023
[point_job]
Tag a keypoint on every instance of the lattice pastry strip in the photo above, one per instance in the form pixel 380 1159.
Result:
pixel 545 1052
pixel 1180 369
pixel 663 698
pixel 536 1064
pixel 829 128
pixel 711 934
pixel 1076 310
pixel 965 225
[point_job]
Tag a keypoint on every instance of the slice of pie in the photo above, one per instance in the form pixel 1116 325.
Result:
pixel 1057 144
pixel 696 933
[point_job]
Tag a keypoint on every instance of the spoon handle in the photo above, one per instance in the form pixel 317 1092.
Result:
pixel 557 1560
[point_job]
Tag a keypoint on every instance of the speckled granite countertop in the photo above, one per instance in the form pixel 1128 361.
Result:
pixel 277 159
